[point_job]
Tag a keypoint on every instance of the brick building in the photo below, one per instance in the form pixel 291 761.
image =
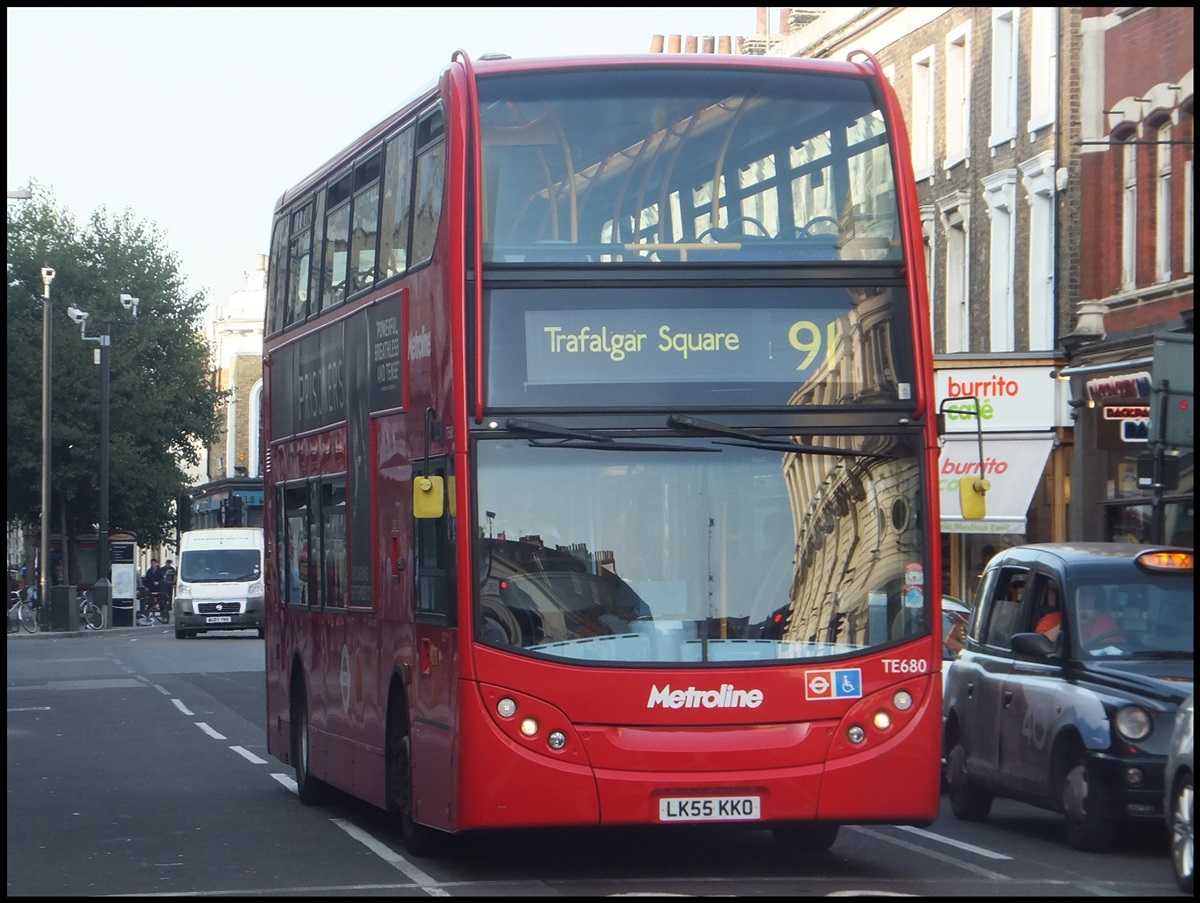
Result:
pixel 1136 265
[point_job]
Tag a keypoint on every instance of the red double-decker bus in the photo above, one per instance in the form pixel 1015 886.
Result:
pixel 601 484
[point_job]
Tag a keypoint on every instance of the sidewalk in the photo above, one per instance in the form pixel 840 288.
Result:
pixel 82 631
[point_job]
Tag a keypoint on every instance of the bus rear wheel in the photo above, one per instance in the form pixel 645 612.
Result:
pixel 310 790
pixel 419 840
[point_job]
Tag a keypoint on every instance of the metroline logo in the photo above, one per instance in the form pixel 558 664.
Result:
pixel 725 698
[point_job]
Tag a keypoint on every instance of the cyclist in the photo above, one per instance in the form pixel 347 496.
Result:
pixel 152 585
pixel 166 592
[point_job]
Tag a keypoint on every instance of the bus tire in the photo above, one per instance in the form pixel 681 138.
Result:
pixel 311 791
pixel 806 836
pixel 419 840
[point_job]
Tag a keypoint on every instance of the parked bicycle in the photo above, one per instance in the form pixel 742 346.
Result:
pixel 26 613
pixel 91 615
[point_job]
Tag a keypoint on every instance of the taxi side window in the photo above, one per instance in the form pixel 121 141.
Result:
pixel 1048 598
pixel 975 630
pixel 1004 619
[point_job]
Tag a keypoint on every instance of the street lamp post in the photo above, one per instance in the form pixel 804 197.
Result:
pixel 80 317
pixel 44 552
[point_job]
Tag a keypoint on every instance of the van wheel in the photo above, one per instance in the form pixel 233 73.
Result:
pixel 968 801
pixel 309 789
pixel 419 840
pixel 1083 806
pixel 181 634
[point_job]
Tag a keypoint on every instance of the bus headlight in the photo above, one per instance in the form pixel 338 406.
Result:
pixel 856 734
pixel 556 740
pixel 882 720
pixel 529 727
pixel 902 700
pixel 1133 722
pixel 506 708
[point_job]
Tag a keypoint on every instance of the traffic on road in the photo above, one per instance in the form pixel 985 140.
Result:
pixel 138 765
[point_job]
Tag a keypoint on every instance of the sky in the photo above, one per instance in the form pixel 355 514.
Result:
pixel 198 119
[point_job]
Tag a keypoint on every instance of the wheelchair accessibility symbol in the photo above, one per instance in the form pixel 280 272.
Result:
pixel 841 683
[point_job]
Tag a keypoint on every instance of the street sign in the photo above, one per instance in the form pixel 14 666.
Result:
pixel 1171 400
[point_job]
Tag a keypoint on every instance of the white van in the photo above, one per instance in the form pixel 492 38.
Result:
pixel 219 585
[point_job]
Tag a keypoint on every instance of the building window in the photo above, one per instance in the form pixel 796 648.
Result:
pixel 958 97
pixel 1043 67
pixel 1189 208
pixel 1162 206
pixel 1129 214
pixel 928 239
pixel 1000 193
pixel 922 114
pixel 1004 76
pixel 1038 177
pixel 955 218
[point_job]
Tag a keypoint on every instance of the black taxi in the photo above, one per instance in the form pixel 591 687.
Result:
pixel 1074 662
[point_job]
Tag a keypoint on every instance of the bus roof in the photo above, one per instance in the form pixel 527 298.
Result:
pixel 496 64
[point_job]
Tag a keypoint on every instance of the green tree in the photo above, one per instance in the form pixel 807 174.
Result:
pixel 163 406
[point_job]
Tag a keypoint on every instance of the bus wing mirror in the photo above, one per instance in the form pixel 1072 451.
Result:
pixel 971 496
pixel 429 497
pixel 971 490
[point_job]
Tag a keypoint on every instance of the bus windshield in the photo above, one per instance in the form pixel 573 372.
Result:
pixel 685 164
pixel 632 556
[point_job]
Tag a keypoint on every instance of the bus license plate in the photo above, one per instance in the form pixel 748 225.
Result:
pixel 222 619
pixel 709 808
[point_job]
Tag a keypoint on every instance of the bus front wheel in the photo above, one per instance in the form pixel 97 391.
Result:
pixel 806 837
pixel 419 840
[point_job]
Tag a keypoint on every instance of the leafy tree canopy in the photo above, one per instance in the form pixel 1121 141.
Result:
pixel 163 405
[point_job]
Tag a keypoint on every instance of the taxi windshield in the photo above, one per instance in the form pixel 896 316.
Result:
pixel 1148 616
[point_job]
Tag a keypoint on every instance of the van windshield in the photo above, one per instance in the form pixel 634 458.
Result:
pixel 219 565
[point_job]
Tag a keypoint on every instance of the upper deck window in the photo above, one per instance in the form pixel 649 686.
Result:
pixel 691 165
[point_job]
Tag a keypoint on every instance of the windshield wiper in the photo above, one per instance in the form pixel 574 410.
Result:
pixel 566 437
pixel 549 430
pixel 745 438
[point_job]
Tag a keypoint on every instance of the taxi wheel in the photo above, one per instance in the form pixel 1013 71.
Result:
pixel 1083 805
pixel 1181 825
pixel 968 801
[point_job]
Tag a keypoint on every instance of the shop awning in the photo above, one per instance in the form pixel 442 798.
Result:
pixel 1013 464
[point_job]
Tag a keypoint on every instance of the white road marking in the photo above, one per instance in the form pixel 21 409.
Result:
pixel 427 883
pixel 967 847
pixel 208 730
pixel 933 854
pixel 248 756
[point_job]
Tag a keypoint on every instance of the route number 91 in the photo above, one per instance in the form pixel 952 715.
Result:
pixel 805 337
